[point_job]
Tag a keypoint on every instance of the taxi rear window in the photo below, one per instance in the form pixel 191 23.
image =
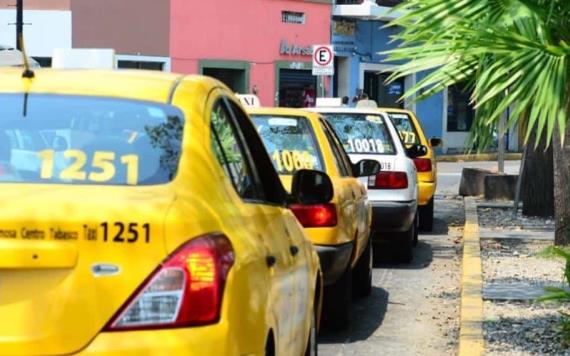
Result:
pixel 290 141
pixel 362 133
pixel 67 139
pixel 405 127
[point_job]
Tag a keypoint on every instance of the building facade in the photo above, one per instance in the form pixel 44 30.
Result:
pixel 47 25
pixel 360 35
pixel 254 46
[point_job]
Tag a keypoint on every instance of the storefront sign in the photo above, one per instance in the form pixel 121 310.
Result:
pixel 294 50
pixel 344 37
pixel 323 60
pixel 344 28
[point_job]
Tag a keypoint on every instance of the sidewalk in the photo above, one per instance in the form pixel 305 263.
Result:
pixel 476 157
pixel 513 276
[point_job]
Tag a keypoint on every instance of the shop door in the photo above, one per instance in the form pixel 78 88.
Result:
pixel 386 95
pixel 294 86
pixel 233 78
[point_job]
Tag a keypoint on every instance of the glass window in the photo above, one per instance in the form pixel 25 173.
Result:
pixel 88 140
pixel 405 127
pixel 230 153
pixel 460 111
pixel 362 133
pixel 343 165
pixel 290 141
pixel 125 64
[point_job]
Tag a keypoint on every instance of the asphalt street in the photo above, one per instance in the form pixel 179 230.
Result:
pixel 414 308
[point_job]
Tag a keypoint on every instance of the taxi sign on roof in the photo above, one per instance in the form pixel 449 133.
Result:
pixel 329 102
pixel 249 100
pixel 371 104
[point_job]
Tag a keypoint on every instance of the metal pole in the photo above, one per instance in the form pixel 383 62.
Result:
pixel 519 184
pixel 19 23
pixel 501 148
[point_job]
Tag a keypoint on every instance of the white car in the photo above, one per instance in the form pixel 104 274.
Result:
pixel 393 193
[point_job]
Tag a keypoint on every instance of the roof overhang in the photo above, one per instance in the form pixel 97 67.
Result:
pixel 368 10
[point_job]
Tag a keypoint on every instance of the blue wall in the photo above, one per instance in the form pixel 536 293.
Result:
pixel 370 39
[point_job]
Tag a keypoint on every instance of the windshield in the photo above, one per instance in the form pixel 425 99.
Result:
pixel 290 142
pixel 87 140
pixel 406 128
pixel 362 133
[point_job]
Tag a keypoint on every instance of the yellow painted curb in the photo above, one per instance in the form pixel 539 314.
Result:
pixel 471 313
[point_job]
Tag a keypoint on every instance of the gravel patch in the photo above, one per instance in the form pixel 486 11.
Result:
pixel 509 261
pixel 503 218
pixel 518 328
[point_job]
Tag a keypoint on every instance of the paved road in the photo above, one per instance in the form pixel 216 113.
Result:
pixel 413 309
pixel 449 173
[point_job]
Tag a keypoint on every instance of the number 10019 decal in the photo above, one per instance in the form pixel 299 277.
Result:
pixel 129 233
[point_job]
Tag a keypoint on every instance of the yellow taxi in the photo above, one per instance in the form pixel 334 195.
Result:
pixel 411 132
pixel 340 230
pixel 140 214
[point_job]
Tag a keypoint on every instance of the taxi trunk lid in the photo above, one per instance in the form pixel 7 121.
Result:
pixel 70 257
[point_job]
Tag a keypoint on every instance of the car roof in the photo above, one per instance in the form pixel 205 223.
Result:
pixel 284 112
pixel 129 84
pixel 345 110
pixel 396 110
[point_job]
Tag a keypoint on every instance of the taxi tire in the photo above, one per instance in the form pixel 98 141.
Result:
pixel 312 345
pixel 426 216
pixel 362 273
pixel 416 231
pixel 336 302
pixel 405 248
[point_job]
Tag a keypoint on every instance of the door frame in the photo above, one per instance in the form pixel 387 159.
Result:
pixel 409 81
pixel 226 64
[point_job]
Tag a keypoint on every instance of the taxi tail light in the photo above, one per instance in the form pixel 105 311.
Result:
pixel 319 215
pixel 388 180
pixel 423 164
pixel 185 290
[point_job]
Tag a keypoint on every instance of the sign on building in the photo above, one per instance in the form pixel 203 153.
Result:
pixel 323 60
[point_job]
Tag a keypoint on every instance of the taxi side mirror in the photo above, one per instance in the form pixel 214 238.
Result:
pixel 435 142
pixel 366 168
pixel 416 151
pixel 311 187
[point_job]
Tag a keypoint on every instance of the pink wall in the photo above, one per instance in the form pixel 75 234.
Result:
pixel 245 30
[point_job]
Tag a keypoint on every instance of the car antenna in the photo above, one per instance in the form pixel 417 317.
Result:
pixel 28 73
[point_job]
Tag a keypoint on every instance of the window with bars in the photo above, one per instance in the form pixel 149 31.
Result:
pixel 293 17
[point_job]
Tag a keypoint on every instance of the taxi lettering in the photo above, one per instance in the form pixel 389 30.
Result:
pixel 366 145
pixel 129 233
pixel 291 161
pixel 33 234
pixel 103 164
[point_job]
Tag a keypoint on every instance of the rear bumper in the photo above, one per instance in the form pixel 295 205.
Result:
pixel 392 216
pixel 205 340
pixel 426 191
pixel 334 260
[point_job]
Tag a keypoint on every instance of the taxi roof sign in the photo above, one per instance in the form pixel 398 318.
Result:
pixel 249 100
pixel 329 102
pixel 370 104
pixel 83 58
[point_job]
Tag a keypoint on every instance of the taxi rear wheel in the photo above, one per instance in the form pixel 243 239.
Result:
pixel 336 303
pixel 426 216
pixel 363 272
pixel 405 246
pixel 312 346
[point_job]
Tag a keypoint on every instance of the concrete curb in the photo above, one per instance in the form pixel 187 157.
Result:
pixel 477 157
pixel 471 340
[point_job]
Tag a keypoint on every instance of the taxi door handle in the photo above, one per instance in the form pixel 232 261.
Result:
pixel 294 250
pixel 271 261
